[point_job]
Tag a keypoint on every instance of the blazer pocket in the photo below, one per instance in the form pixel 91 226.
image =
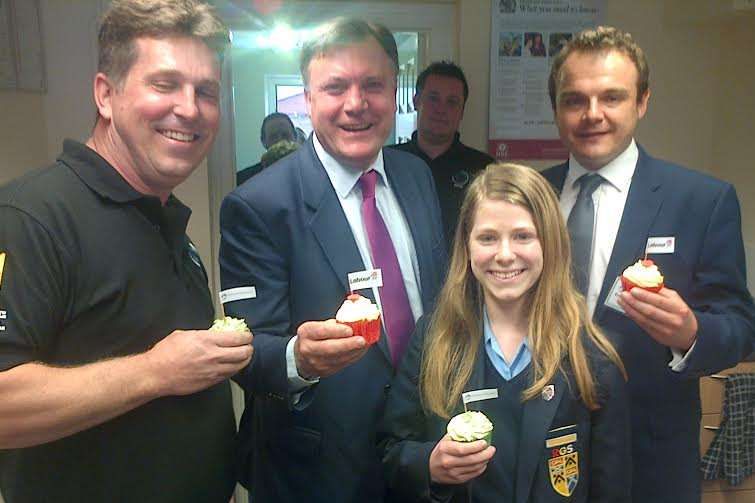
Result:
pixel 300 442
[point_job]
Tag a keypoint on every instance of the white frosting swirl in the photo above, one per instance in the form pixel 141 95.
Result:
pixel 355 310
pixel 230 324
pixel 643 276
pixel 469 426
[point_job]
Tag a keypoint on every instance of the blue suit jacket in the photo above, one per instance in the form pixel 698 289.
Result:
pixel 707 269
pixel 408 434
pixel 285 233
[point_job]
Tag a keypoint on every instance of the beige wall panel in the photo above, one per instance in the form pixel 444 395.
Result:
pixel 22 134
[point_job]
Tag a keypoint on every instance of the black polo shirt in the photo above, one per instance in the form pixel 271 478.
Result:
pixel 452 171
pixel 94 270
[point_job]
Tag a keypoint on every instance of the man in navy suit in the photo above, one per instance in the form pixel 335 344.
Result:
pixel 289 244
pixel 688 223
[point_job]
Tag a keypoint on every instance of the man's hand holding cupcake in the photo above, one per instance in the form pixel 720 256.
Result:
pixel 658 310
pixel 187 361
pixel 323 348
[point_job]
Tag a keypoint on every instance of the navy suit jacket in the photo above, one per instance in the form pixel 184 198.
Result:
pixel 285 233
pixel 408 434
pixel 707 269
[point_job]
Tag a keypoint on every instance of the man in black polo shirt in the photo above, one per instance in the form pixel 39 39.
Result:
pixel 112 388
pixel 440 95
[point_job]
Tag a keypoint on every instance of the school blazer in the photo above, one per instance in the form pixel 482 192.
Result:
pixel 408 434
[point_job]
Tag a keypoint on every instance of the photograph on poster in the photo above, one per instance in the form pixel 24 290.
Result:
pixel 510 44
pixel 533 44
pixel 556 42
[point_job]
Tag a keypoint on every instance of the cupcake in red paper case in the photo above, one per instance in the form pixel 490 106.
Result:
pixel 470 426
pixel 644 274
pixel 362 316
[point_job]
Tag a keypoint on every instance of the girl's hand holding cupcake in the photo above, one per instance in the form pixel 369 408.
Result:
pixel 453 462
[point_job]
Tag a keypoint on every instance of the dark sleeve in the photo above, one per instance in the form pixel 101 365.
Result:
pixel 33 289
pixel 440 261
pixel 720 299
pixel 610 447
pixel 402 434
pixel 249 257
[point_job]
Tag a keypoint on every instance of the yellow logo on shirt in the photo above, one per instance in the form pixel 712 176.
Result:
pixel 2 264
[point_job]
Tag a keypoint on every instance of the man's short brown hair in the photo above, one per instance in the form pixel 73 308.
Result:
pixel 601 39
pixel 126 20
pixel 343 32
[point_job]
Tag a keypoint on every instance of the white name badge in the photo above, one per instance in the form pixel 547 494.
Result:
pixel 361 280
pixel 240 293
pixel 479 394
pixel 613 295
pixel 660 245
pixel 3 315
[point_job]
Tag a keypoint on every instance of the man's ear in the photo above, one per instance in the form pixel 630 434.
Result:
pixel 308 101
pixel 103 95
pixel 642 106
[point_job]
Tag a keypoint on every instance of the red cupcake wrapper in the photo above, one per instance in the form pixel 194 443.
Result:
pixel 368 329
pixel 628 285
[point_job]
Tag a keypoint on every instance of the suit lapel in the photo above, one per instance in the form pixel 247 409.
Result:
pixel 537 418
pixel 557 177
pixel 409 197
pixel 330 227
pixel 643 204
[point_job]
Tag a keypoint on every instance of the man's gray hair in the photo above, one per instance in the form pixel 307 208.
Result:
pixel 343 32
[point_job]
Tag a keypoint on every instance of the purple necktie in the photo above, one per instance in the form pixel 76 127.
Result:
pixel 397 314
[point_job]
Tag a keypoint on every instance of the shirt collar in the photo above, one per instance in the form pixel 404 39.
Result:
pixel 618 172
pixel 455 146
pixel 97 173
pixel 489 339
pixel 344 178
pixel 100 176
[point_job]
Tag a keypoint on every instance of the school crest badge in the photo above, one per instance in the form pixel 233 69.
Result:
pixel 563 465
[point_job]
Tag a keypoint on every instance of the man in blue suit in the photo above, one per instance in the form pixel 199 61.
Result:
pixel 688 224
pixel 290 243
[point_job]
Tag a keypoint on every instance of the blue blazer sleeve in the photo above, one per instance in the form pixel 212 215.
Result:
pixel 719 296
pixel 249 256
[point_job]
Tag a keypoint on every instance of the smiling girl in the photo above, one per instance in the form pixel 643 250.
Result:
pixel 509 323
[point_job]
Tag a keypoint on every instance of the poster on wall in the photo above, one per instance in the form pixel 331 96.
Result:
pixel 525 37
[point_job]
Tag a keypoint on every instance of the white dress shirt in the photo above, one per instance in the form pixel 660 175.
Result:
pixel 345 181
pixel 609 200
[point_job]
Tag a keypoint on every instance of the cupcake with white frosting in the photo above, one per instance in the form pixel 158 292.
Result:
pixel 470 426
pixel 362 316
pixel 644 274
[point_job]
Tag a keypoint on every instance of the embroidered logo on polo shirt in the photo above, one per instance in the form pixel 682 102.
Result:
pixel 2 265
